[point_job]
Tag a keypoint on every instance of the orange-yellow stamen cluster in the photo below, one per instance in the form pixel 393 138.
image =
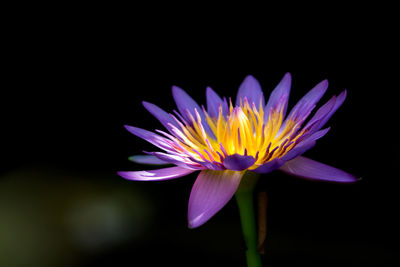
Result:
pixel 242 131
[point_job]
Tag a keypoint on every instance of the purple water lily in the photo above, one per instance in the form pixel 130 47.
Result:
pixel 224 141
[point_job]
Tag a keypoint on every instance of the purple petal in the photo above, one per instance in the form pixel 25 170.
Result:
pixel 185 102
pixel 339 101
pixel 279 96
pixel 308 102
pixel 147 159
pixel 210 193
pixel 177 160
pixel 298 150
pixel 238 162
pixel 251 89
pixel 321 113
pixel 160 114
pixel 211 166
pixel 150 137
pixel 215 166
pixel 213 103
pixel 326 111
pixel 269 166
pixel 156 175
pixel 317 135
pixel 310 169
pixel 304 145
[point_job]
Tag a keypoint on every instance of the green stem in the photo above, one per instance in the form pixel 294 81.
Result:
pixel 244 198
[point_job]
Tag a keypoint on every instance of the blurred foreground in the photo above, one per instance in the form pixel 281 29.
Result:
pixel 51 217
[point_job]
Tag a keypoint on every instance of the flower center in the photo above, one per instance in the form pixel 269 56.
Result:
pixel 242 131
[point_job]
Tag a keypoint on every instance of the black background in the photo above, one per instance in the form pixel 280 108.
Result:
pixel 73 82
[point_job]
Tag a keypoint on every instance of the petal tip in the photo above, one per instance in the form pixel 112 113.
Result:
pixel 122 174
pixel 343 94
pixel 249 76
pixel 286 81
pixel 250 79
pixel 146 104
pixel 176 89
pixel 287 75
pixel 195 222
pixel 132 129
pixel 349 179
pixel 324 83
pixel 128 127
pixel 210 93
pixel 312 170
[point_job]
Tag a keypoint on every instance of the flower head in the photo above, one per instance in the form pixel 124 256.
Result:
pixel 225 140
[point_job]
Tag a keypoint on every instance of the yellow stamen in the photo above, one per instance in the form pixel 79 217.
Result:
pixel 242 129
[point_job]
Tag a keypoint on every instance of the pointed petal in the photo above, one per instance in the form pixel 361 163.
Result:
pixel 339 101
pixel 251 89
pixel 315 136
pixel 304 145
pixel 210 193
pixel 211 165
pixel 213 102
pixel 147 159
pixel 150 137
pixel 310 169
pixel 185 102
pixel 298 150
pixel 279 96
pixel 269 166
pixel 308 102
pixel 238 162
pixel 156 175
pixel 321 113
pixel 325 112
pixel 160 114
pixel 177 160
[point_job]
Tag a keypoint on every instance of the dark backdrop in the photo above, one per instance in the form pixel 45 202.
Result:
pixel 72 85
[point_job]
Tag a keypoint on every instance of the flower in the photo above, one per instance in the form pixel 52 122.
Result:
pixel 225 140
